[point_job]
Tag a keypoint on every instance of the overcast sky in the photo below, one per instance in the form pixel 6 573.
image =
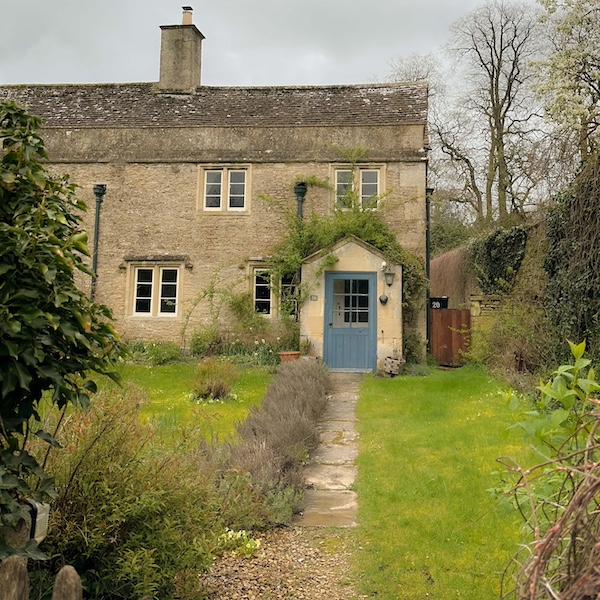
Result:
pixel 248 42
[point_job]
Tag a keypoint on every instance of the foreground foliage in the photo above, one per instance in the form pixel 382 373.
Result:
pixel 137 517
pixel 558 498
pixel 51 334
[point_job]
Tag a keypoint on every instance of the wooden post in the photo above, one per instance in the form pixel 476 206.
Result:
pixel 14 581
pixel 67 585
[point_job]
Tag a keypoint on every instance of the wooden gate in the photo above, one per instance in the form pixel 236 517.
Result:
pixel 450 335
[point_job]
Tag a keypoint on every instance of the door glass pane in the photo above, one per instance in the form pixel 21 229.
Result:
pixel 350 302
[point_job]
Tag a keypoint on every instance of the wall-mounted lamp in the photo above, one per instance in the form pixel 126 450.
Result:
pixel 389 277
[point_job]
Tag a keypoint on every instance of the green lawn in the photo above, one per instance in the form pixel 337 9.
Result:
pixel 428 527
pixel 171 409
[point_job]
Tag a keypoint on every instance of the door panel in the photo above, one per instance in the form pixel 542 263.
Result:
pixel 350 321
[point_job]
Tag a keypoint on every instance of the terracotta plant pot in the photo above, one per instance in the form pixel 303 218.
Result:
pixel 288 356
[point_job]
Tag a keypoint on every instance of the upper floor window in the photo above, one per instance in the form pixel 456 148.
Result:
pixel 362 185
pixel 225 189
pixel 156 291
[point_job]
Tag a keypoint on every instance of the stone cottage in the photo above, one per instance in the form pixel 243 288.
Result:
pixel 181 172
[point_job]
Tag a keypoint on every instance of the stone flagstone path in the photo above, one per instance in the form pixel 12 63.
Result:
pixel 329 500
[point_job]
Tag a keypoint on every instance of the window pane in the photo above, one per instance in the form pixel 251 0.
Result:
pixel 362 286
pixel 343 184
pixel 143 291
pixel 167 306
pixel 213 189
pixel 168 291
pixel 237 177
pixel 236 202
pixel 369 187
pixel 142 306
pixel 144 275
pixel 237 189
pixel 262 292
pixel 370 177
pixel 263 307
pixel 169 275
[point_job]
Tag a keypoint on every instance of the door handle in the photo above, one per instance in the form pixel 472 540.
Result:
pixel 330 324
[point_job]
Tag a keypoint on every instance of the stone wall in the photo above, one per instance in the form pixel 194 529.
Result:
pixel 153 207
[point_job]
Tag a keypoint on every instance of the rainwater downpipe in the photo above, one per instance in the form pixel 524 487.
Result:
pixel 428 193
pixel 300 191
pixel 99 191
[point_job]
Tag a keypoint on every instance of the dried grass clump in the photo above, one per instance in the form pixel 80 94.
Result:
pixel 277 436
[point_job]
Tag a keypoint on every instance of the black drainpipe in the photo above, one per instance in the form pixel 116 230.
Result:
pixel 99 191
pixel 300 191
pixel 428 194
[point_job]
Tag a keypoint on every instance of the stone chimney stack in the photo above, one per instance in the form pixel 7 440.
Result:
pixel 180 56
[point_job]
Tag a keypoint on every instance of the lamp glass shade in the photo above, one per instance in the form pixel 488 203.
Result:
pixel 389 277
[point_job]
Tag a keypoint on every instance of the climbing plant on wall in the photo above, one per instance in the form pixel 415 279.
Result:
pixel 304 237
pixel 573 261
pixel 496 258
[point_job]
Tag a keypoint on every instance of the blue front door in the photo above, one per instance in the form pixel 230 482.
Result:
pixel 350 340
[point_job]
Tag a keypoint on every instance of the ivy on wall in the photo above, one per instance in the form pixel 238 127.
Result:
pixel 573 261
pixel 497 257
pixel 316 233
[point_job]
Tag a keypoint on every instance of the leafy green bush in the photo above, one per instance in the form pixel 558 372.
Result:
pixel 214 379
pixel 206 341
pixel 154 353
pixel 161 353
pixel 52 336
pixel 558 498
pixel 516 338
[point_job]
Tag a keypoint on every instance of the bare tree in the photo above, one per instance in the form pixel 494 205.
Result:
pixel 491 128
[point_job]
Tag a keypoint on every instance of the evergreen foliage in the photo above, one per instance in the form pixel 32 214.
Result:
pixel 573 261
pixel 497 257
pixel 51 335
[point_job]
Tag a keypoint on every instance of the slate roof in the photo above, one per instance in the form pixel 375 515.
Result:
pixel 139 105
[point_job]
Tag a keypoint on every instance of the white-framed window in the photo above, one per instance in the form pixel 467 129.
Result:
pixel 225 189
pixel 365 181
pixel 264 298
pixel 156 290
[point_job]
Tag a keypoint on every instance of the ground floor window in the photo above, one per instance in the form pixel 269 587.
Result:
pixel 156 290
pixel 264 299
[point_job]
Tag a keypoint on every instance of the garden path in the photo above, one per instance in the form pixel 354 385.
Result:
pixel 330 500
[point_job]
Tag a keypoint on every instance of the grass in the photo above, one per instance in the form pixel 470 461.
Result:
pixel 428 527
pixel 171 409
